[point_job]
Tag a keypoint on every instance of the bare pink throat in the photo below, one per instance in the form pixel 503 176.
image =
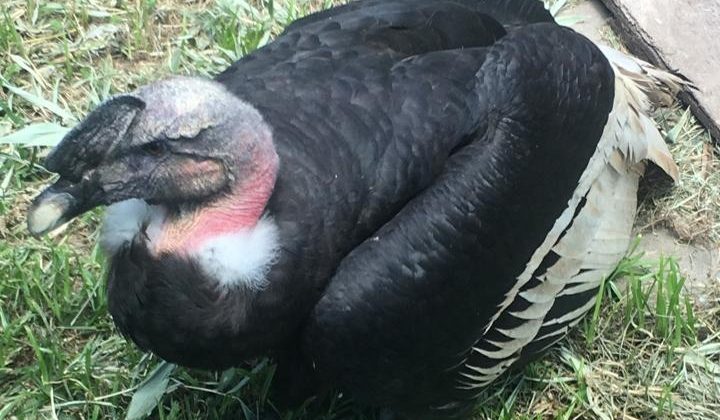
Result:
pixel 239 210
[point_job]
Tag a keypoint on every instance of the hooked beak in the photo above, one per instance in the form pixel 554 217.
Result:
pixel 58 204
pixel 75 159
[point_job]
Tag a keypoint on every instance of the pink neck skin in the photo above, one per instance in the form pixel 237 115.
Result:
pixel 239 210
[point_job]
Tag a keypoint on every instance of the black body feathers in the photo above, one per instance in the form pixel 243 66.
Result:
pixel 426 150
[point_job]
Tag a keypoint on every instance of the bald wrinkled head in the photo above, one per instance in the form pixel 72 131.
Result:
pixel 188 106
pixel 175 141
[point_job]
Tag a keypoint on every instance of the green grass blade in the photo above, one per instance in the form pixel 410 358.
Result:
pixel 40 134
pixel 593 323
pixel 149 392
pixel 39 102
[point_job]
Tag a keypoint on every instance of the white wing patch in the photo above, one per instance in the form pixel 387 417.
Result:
pixel 596 239
pixel 589 251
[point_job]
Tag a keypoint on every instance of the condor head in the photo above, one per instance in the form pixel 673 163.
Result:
pixel 186 146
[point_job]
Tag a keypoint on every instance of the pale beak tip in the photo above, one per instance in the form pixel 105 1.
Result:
pixel 43 218
pixel 47 213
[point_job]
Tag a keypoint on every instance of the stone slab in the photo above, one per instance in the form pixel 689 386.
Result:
pixel 681 35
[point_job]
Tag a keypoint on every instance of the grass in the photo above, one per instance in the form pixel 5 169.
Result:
pixel 647 351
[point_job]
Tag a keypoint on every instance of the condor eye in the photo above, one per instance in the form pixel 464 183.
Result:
pixel 155 148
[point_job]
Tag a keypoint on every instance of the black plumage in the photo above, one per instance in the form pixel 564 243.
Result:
pixel 426 151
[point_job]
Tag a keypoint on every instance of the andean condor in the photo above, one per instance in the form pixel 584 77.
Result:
pixel 399 198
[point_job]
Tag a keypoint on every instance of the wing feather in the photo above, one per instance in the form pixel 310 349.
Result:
pixel 590 244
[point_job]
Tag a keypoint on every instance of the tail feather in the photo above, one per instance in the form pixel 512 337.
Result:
pixel 660 86
pixel 640 88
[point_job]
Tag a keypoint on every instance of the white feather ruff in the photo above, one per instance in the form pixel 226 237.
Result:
pixel 236 259
pixel 241 258
pixel 123 221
